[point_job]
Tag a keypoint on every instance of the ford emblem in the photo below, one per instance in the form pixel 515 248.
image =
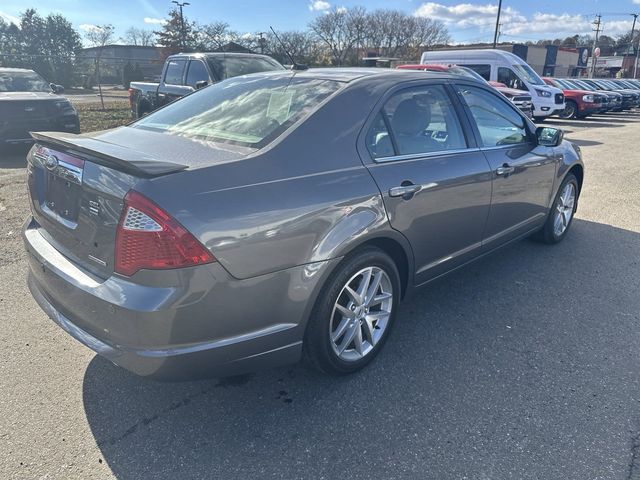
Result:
pixel 51 162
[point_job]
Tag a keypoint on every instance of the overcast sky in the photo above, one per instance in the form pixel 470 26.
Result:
pixel 467 22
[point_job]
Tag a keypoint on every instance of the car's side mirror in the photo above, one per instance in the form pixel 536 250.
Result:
pixel 56 88
pixel 201 84
pixel 549 137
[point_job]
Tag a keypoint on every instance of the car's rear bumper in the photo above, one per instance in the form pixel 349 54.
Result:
pixel 182 324
pixel 17 132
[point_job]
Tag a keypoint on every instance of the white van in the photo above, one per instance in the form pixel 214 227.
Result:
pixel 507 68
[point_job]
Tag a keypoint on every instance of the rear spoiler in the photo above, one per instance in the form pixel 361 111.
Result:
pixel 108 154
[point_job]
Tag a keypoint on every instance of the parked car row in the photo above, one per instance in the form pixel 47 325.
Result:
pixel 587 96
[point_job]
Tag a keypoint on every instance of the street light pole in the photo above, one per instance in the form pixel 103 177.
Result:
pixel 182 32
pixel 495 35
pixel 635 50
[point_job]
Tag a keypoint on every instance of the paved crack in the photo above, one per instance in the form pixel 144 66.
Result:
pixel 145 421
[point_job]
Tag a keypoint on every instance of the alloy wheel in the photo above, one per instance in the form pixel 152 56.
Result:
pixel 564 209
pixel 361 314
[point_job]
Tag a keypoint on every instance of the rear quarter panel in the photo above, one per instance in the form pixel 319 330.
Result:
pixel 305 198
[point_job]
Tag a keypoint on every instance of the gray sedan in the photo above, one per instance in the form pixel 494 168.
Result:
pixel 283 215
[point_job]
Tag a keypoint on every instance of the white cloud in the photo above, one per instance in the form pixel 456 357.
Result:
pixel 88 27
pixel 319 5
pixel 154 21
pixel 9 18
pixel 537 25
pixel 468 15
pixel 637 2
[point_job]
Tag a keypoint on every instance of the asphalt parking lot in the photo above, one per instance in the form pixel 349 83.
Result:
pixel 524 365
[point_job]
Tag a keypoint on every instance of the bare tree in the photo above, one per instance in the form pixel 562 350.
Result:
pixel 139 37
pixel 214 36
pixel 99 36
pixel 340 31
pixel 302 46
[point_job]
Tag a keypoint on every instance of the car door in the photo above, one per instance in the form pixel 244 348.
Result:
pixel 522 171
pixel 197 72
pixel 435 183
pixel 172 86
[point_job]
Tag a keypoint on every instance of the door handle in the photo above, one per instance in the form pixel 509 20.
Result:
pixel 505 169
pixel 405 190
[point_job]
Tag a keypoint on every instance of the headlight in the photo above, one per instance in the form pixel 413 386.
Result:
pixel 588 98
pixel 543 93
pixel 65 105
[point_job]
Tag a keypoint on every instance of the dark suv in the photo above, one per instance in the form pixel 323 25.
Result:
pixel 28 103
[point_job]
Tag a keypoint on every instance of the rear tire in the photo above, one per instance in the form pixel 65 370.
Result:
pixel 352 319
pixel 561 214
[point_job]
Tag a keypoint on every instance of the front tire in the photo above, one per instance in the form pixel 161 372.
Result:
pixel 570 110
pixel 561 214
pixel 354 313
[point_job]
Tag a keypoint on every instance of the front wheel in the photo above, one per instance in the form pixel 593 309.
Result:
pixel 561 214
pixel 354 313
pixel 570 110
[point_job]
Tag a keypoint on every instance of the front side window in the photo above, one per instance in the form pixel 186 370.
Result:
pixel 249 113
pixel 175 69
pixel 421 119
pixel 197 73
pixel 510 79
pixel 498 122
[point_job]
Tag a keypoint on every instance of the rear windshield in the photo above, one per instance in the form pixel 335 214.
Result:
pixel 233 66
pixel 247 111
pixel 23 82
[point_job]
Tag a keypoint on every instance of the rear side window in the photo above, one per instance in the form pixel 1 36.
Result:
pixel 197 72
pixel 483 70
pixel 498 122
pixel 421 119
pixel 174 73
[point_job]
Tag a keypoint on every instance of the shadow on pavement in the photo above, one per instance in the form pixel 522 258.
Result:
pixel 517 366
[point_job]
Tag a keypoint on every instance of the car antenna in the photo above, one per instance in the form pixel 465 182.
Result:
pixel 294 64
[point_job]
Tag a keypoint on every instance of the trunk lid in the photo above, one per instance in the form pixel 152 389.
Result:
pixel 77 185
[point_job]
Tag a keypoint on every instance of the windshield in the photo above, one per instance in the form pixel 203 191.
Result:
pixel 247 111
pixel 23 82
pixel 584 85
pixel 233 66
pixel 528 74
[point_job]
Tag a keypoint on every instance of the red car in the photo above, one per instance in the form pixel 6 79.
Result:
pixel 578 103
pixel 520 98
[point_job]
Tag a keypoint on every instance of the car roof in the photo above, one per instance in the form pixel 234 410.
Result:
pixel 347 75
pixel 485 54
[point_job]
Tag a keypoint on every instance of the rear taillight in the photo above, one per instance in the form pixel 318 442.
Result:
pixel 150 238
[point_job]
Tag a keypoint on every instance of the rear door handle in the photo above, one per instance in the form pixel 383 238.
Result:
pixel 505 169
pixel 404 190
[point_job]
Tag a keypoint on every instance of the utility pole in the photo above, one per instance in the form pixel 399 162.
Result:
pixel 597 24
pixel 496 33
pixel 635 49
pixel 261 42
pixel 182 32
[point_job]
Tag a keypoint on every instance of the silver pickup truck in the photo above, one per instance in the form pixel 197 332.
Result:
pixel 186 72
